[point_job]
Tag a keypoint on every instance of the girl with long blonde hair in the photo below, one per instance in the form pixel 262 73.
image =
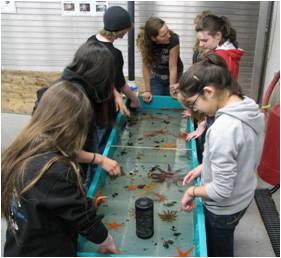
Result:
pixel 43 198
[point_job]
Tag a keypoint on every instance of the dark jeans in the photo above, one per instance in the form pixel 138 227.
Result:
pixel 200 141
pixel 159 87
pixel 103 135
pixel 220 232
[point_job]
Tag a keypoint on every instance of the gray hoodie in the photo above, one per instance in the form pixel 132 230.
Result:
pixel 231 155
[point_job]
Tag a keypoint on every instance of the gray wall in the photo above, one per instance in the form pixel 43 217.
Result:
pixel 273 55
pixel 37 37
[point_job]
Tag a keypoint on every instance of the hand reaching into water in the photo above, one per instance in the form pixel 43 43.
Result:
pixel 146 96
pixel 187 200
pixel 174 90
pixel 186 113
pixel 120 105
pixel 109 165
pixel 108 246
pixel 198 132
pixel 191 175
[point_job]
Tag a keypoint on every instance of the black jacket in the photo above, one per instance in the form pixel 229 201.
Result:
pixel 119 80
pixel 68 75
pixel 50 215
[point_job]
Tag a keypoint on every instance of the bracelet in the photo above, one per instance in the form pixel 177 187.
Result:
pixel 147 91
pixel 193 192
pixel 93 159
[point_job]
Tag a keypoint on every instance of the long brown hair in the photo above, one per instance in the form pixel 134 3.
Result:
pixel 151 54
pixel 93 62
pixel 207 21
pixel 59 125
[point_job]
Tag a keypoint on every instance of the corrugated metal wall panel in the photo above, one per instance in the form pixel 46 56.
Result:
pixel 180 15
pixel 37 37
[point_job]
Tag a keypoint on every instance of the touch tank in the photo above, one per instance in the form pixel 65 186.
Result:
pixel 154 157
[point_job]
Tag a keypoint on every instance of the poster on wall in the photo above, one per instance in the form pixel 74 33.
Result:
pixel 101 7
pixel 83 8
pixel 8 7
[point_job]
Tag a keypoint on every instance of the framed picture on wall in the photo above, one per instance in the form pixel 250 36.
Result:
pixel 83 8
pixel 101 7
pixel 68 8
pixel 8 7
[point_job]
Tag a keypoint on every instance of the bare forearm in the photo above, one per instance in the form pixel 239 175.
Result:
pixel 115 92
pixel 128 92
pixel 146 77
pixel 89 157
pixel 198 191
pixel 173 75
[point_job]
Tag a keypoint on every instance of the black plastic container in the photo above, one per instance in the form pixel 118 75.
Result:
pixel 144 217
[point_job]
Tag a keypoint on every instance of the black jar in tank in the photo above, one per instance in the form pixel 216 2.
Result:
pixel 144 217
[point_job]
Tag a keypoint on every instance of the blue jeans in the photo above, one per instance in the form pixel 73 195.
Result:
pixel 103 135
pixel 220 232
pixel 159 87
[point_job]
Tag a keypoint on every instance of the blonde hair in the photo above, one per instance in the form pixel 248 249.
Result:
pixel 59 125
pixel 112 35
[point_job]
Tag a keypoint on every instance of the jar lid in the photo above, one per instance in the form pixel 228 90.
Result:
pixel 144 203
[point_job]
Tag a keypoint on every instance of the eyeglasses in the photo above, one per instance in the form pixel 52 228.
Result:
pixel 191 106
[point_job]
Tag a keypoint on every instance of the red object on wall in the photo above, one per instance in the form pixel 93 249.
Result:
pixel 270 88
pixel 269 167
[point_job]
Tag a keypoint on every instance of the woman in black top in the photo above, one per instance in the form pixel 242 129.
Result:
pixel 43 199
pixel 160 50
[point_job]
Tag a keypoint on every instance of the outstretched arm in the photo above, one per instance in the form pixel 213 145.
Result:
pixel 173 69
pixel 119 103
pixel 146 95
pixel 109 165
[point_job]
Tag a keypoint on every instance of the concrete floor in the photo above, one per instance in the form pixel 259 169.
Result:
pixel 251 239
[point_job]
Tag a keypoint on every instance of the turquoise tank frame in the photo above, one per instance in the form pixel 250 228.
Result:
pixel 158 102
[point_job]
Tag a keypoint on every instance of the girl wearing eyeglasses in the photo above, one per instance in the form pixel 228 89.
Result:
pixel 231 150
pixel 215 34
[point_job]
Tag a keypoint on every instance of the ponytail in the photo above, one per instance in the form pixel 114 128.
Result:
pixel 207 21
pixel 228 32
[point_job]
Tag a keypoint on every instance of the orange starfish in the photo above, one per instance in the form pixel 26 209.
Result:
pixel 193 205
pixel 132 187
pixel 114 225
pixel 100 198
pixel 160 197
pixel 184 254
pixel 168 145
pixel 181 135
pixel 148 188
pixel 156 132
